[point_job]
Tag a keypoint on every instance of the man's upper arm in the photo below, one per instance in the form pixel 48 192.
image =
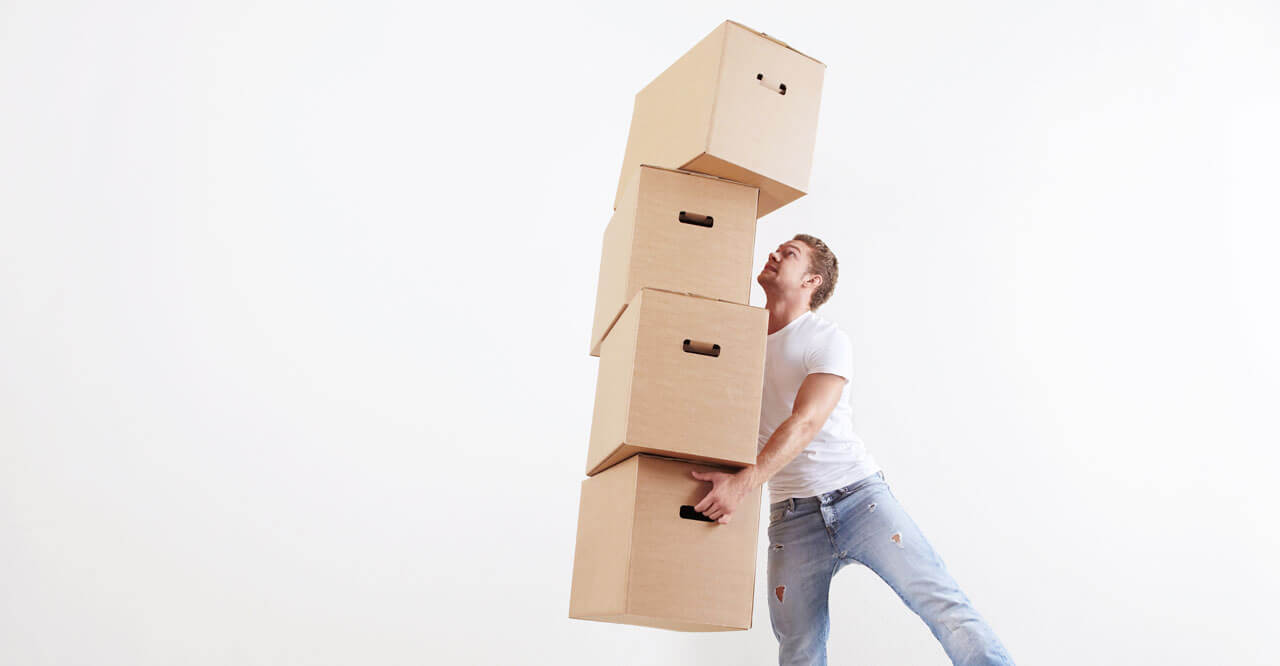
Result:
pixel 829 362
pixel 831 353
pixel 817 398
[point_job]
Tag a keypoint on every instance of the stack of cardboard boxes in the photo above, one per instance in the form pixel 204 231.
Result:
pixel 722 137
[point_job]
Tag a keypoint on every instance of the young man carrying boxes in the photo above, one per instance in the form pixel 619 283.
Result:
pixel 830 505
pixel 654 546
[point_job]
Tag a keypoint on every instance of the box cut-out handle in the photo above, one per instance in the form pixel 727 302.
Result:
pixel 697 219
pixel 780 88
pixel 687 512
pixel 703 348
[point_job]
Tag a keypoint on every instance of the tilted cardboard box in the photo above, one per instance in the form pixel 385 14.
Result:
pixel 679 231
pixel 643 557
pixel 739 105
pixel 681 376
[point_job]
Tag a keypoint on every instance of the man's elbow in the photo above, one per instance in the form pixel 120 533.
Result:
pixel 807 425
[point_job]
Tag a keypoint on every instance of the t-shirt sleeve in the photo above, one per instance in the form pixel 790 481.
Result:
pixel 831 353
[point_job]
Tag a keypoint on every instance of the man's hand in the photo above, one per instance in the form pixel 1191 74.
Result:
pixel 727 491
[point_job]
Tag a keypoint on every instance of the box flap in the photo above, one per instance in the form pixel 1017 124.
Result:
pixel 693 295
pixel 701 463
pixel 776 41
pixel 685 172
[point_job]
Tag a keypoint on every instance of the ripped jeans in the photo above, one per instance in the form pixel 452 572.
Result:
pixel 812 538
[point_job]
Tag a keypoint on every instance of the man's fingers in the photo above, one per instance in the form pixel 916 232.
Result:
pixel 710 505
pixel 724 520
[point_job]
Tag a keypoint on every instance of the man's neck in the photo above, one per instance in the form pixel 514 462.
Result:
pixel 783 312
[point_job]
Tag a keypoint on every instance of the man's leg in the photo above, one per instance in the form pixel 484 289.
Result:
pixel 876 531
pixel 801 564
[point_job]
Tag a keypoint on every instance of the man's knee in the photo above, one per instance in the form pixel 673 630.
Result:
pixel 807 646
pixel 957 616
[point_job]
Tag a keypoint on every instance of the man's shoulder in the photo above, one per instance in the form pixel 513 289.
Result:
pixel 825 330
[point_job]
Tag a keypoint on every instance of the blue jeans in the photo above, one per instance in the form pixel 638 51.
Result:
pixel 812 538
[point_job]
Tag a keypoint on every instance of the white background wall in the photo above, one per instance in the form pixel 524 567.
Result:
pixel 295 299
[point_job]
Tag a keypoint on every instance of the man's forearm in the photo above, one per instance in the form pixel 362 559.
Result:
pixel 787 441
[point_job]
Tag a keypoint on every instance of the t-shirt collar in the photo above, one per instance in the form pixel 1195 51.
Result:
pixel 793 323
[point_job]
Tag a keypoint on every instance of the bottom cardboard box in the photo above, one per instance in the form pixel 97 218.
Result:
pixel 644 557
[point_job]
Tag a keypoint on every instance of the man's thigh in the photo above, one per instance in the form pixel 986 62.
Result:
pixel 800 567
pixel 878 532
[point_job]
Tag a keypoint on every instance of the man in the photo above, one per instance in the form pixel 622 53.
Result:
pixel 830 504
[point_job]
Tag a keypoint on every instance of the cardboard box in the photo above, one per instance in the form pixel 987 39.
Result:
pixel 638 561
pixel 680 376
pixel 679 231
pixel 740 105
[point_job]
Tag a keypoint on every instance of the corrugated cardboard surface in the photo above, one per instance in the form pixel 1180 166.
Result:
pixel 671 116
pixel 710 102
pixel 771 38
pixel 681 574
pixel 771 199
pixel 646 244
pixel 606 514
pixel 615 262
pixel 653 396
pixel 687 569
pixel 759 130
pixel 613 392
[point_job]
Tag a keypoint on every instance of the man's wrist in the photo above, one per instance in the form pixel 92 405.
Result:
pixel 751 475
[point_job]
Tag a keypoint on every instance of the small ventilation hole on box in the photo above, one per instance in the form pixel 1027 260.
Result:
pixel 696 219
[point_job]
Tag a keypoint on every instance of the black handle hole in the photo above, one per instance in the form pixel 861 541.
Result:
pixel 687 512
pixel 780 88
pixel 702 348
pixel 697 219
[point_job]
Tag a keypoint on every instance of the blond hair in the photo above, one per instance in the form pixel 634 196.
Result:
pixel 822 262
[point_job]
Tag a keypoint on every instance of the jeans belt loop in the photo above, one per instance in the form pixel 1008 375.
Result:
pixel 791 504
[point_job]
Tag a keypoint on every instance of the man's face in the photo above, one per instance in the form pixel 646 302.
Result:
pixel 786 267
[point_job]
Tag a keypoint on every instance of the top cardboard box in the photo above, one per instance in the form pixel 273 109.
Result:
pixel 740 105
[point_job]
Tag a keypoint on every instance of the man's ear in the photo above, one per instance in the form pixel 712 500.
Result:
pixel 814 279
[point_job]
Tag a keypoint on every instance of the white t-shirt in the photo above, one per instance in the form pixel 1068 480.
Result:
pixel 836 457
